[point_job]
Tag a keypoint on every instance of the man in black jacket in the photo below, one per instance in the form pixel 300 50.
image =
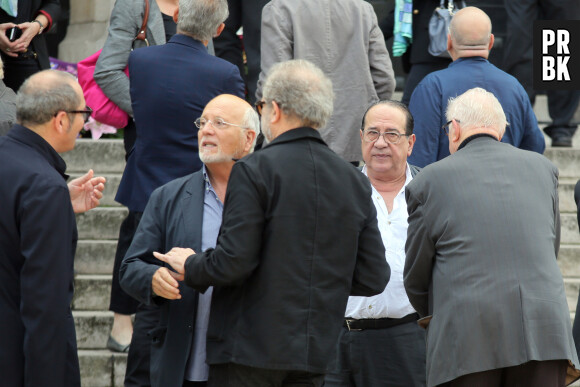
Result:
pixel 38 233
pixel 299 234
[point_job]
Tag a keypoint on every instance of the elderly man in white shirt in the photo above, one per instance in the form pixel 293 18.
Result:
pixel 381 344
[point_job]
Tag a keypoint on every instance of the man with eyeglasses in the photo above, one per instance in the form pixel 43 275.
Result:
pixel 482 242
pixel 187 213
pixel 38 233
pixel 299 234
pixel 380 344
pixel 170 86
pixel 469 43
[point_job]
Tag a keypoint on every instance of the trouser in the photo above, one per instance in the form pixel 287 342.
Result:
pixel 121 302
pixel 138 359
pixel 387 357
pixel 518 54
pixel 236 375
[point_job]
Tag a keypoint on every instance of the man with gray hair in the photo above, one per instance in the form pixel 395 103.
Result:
pixel 170 86
pixel 38 232
pixel 299 234
pixel 469 42
pixel 187 212
pixel 482 242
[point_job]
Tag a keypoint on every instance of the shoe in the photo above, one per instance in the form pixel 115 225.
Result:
pixel 115 346
pixel 562 141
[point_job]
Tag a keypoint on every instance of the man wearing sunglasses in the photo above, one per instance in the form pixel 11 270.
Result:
pixel 38 233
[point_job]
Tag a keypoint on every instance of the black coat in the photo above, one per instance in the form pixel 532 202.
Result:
pixel 38 238
pixel 299 234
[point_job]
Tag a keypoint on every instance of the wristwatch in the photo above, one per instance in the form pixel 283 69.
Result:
pixel 40 24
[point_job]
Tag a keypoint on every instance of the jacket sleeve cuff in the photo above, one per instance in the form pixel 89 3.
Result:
pixel 49 26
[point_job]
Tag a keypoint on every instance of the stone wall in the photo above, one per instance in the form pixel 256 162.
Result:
pixel 87 30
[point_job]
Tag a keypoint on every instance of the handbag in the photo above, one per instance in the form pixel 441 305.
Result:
pixel 106 111
pixel 439 28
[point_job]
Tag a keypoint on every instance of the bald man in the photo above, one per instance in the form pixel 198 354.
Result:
pixel 469 43
pixel 187 213
pixel 38 233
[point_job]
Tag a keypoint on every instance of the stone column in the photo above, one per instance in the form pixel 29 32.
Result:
pixel 87 30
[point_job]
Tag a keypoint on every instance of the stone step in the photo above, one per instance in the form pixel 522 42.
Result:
pixel 111 187
pixel 103 156
pixel 567 160
pixel 93 328
pixel 572 286
pixel 566 194
pixel 569 261
pixel 101 223
pixel 570 234
pixel 95 256
pixel 102 368
pixel 92 292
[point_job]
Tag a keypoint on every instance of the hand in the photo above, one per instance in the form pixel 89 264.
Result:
pixel 7 46
pixel 165 283
pixel 175 258
pixel 29 31
pixel 86 191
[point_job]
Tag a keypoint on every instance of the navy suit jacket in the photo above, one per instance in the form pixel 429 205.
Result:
pixel 38 237
pixel 173 217
pixel 429 103
pixel 170 86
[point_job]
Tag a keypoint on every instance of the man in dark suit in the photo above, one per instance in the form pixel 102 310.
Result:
pixel 299 234
pixel 38 233
pixel 170 86
pixel 187 212
pixel 483 237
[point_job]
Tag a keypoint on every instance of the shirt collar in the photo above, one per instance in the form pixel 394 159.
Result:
pixel 408 176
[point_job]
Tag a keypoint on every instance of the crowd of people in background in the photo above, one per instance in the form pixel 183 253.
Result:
pixel 290 223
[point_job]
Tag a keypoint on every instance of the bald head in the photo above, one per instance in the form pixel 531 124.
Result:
pixel 470 32
pixel 44 94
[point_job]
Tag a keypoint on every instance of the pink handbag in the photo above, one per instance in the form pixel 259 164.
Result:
pixel 105 111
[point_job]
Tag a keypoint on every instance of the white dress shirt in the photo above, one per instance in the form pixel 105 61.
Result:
pixel 393 301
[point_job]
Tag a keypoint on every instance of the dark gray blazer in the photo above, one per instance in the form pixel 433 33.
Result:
pixel 483 236
pixel 173 217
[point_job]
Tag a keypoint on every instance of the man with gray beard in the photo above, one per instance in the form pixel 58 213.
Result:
pixel 187 212
pixel 299 234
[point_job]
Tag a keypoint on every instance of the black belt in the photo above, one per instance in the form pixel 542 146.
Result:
pixel 378 323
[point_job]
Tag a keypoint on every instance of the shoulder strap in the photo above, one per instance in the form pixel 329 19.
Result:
pixel 142 35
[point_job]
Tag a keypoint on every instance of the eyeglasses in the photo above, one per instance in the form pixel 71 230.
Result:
pixel 86 113
pixel 389 137
pixel 259 106
pixel 446 126
pixel 218 123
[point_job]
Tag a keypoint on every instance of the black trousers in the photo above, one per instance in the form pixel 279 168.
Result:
pixel 236 375
pixel 550 373
pixel 576 326
pixel 517 61
pixel 390 357
pixel 246 13
pixel 17 70
pixel 138 360
pixel 121 302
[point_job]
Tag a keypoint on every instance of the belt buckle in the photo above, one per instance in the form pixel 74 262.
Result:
pixel 348 321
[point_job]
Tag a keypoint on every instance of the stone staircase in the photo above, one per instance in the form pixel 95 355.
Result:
pixel 98 231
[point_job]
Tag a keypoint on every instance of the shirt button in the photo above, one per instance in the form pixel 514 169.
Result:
pixel 189 328
pixel 389 222
pixel 370 306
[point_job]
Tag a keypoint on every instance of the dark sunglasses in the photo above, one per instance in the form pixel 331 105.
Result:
pixel 86 113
